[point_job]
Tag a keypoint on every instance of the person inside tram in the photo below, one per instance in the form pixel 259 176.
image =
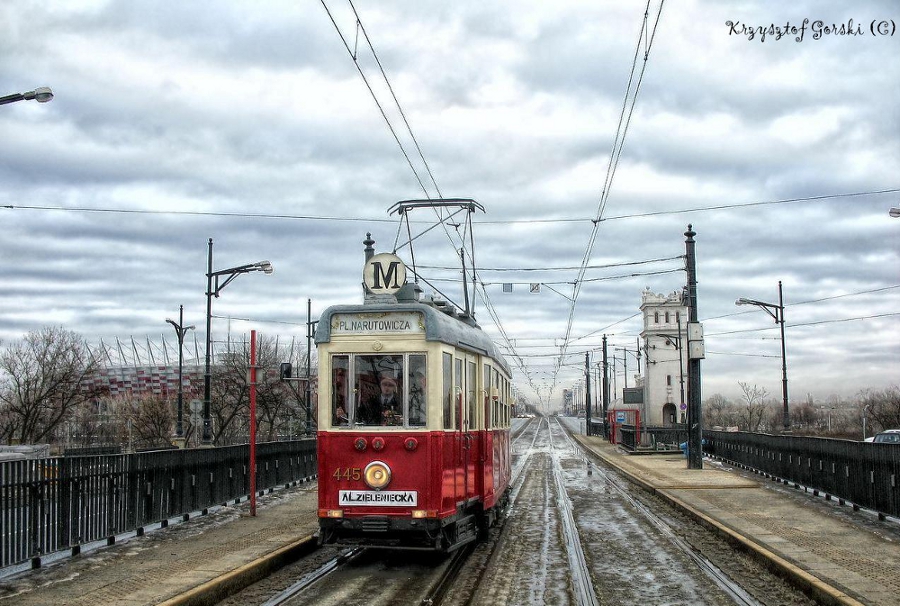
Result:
pixel 417 392
pixel 386 407
pixel 339 396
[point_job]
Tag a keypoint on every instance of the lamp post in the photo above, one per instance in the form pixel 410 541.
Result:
pixel 777 313
pixel 310 334
pixel 213 288
pixel 180 330
pixel 41 95
pixel 865 413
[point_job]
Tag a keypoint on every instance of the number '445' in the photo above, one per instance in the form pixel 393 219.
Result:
pixel 347 473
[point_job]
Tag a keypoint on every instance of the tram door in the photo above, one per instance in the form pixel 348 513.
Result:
pixel 460 415
pixel 466 427
pixel 473 436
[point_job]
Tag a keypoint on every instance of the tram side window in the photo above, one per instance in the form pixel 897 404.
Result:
pixel 473 405
pixel 508 400
pixel 417 390
pixel 457 392
pixel 488 413
pixel 448 391
pixel 498 403
pixel 339 374
pixel 379 389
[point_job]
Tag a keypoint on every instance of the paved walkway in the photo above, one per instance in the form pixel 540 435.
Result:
pixel 846 557
pixel 843 556
pixel 204 554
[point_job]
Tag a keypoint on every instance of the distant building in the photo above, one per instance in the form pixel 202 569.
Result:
pixel 665 375
pixel 157 380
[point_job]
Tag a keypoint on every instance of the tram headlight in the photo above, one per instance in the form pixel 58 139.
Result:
pixel 377 475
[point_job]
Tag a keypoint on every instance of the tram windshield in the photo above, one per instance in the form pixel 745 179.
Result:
pixel 388 390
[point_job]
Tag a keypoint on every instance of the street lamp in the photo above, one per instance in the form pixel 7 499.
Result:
pixel 41 95
pixel 213 290
pixel 180 329
pixel 777 313
pixel 865 413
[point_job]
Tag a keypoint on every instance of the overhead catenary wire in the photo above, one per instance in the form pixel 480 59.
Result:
pixel 801 324
pixel 375 97
pixel 569 268
pixel 819 300
pixel 573 259
pixel 354 57
pixel 618 145
pixel 550 283
pixel 396 101
pixel 346 219
pixel 438 213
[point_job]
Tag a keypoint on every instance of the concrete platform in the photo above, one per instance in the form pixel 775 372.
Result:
pixel 196 560
pixel 844 557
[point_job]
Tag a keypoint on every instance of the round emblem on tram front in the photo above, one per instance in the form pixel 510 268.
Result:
pixel 384 274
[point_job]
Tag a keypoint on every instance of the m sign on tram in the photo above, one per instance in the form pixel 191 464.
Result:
pixel 384 274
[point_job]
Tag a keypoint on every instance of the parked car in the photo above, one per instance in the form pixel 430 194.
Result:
pixel 889 436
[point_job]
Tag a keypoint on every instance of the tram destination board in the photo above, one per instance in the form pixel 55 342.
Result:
pixel 388 322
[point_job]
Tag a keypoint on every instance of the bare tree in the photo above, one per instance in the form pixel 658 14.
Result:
pixel 42 381
pixel 151 422
pixel 881 407
pixel 804 415
pixel 718 411
pixel 230 406
pixel 85 425
pixel 753 411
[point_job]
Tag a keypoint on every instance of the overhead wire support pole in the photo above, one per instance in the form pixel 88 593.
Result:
pixel 587 397
pixel 605 392
pixel 695 430
pixel 777 314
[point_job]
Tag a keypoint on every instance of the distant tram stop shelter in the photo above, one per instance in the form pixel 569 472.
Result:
pixel 624 426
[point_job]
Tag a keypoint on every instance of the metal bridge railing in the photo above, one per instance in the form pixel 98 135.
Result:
pixel 862 473
pixel 57 503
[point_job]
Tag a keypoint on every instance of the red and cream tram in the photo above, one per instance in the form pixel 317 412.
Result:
pixel 413 439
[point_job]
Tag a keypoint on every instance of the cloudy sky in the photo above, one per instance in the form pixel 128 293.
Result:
pixel 249 123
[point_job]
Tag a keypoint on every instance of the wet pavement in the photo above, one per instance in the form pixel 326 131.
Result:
pixel 846 557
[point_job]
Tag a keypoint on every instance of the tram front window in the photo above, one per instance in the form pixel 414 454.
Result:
pixel 417 390
pixel 339 373
pixel 379 390
pixel 389 390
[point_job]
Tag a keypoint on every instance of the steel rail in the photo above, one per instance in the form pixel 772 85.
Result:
pixel 314 577
pixel 579 570
pixel 719 577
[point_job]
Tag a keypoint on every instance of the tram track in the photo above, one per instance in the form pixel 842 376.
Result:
pixel 733 589
pixel 578 567
pixel 313 577
pixel 434 589
pixel 546 457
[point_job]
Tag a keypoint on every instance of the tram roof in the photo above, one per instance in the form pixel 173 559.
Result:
pixel 439 326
